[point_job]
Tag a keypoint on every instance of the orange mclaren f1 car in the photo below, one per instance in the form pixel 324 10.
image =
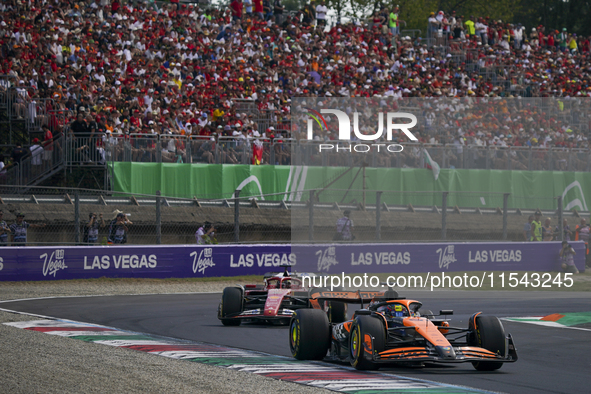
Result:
pixel 393 330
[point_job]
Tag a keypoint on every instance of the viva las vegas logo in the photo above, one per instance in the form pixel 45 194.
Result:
pixel 371 141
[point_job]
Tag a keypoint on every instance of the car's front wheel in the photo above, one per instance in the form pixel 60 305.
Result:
pixel 309 334
pixel 231 304
pixel 489 335
pixel 368 336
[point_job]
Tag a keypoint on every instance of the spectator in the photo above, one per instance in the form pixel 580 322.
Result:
pixel 572 44
pixel 518 35
pixel 582 231
pixel 527 229
pixel 482 31
pixel 248 7
pixel 567 256
pixel 393 22
pixel 267 9
pixel 259 10
pixel 471 26
pixel 118 228
pixel 18 153
pixel 4 230
pixel 562 40
pixel 278 9
pixel 345 228
pixel 547 232
pixel 205 235
pixel 47 146
pixel 565 230
pixel 2 169
pixel 37 155
pixel 91 229
pixel 321 11
pixel 536 228
pixel 19 230
pixel 458 30
pixel 432 25
pixel 309 14
pixel 236 8
pixel 79 127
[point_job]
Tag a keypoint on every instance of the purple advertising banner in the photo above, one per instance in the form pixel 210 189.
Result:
pixel 433 257
pixel 81 262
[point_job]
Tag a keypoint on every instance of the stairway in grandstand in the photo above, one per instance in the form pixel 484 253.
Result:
pixel 21 119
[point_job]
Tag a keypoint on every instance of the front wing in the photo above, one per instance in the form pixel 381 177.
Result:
pixel 449 354
pixel 258 313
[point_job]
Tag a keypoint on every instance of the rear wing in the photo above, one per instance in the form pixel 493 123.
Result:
pixel 351 297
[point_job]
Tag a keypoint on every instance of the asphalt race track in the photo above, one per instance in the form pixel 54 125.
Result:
pixel 551 360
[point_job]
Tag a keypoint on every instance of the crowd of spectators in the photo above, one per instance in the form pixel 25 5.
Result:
pixel 176 69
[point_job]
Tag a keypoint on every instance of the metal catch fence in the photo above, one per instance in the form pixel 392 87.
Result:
pixel 80 217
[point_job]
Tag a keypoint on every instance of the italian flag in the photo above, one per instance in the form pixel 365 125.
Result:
pixel 429 163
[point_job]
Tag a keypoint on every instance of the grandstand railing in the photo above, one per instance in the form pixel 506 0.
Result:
pixel 245 106
pixel 100 149
pixel 38 166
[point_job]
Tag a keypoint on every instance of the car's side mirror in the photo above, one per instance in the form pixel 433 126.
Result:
pixel 445 312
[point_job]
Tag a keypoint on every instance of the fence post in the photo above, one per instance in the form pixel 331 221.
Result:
pixel 505 212
pixel 272 153
pixel 77 217
pixel 311 216
pixel 237 215
pixel 560 218
pixel 444 215
pixel 378 216
pixel 158 218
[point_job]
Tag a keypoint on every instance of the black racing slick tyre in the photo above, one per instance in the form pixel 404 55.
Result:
pixel 337 312
pixel 309 334
pixel 360 342
pixel 490 335
pixel 231 304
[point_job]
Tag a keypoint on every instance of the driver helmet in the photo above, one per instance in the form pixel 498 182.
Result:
pixel 393 310
pixel 286 284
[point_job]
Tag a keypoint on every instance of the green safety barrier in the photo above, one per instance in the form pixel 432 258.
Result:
pixel 401 186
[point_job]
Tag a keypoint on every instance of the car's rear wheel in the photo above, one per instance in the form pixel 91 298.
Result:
pixel 231 304
pixel 337 312
pixel 366 330
pixel 309 334
pixel 489 335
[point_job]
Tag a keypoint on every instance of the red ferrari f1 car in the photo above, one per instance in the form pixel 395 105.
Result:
pixel 275 301
pixel 393 330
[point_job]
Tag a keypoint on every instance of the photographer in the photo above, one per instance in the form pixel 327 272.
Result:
pixel 567 255
pixel 4 230
pixel 91 229
pixel 344 228
pixel 19 230
pixel 118 229
pixel 205 235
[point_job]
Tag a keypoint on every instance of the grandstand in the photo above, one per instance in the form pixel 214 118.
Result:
pixel 186 83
